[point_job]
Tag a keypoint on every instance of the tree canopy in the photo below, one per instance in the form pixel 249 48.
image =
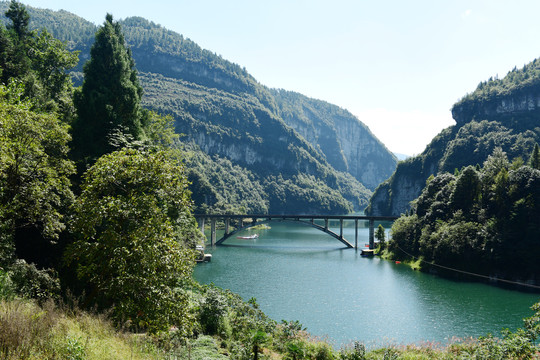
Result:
pixel 34 169
pixel 482 220
pixel 110 99
pixel 37 60
pixel 134 227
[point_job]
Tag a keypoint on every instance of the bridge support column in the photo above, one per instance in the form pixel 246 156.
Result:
pixel 201 224
pixel 371 234
pixel 341 228
pixel 213 233
pixel 356 233
pixel 227 221
pixel 326 224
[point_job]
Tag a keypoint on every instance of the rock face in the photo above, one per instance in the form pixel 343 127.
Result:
pixel 368 159
pixel 347 143
pixel 508 121
pixel 521 102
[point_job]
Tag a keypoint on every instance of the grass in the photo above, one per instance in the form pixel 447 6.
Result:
pixel 29 331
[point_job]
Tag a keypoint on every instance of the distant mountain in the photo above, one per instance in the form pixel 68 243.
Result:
pixel 401 157
pixel 499 113
pixel 300 153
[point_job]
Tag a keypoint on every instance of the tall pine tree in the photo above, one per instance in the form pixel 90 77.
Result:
pixel 109 102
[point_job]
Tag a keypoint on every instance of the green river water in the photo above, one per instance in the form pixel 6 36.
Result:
pixel 299 273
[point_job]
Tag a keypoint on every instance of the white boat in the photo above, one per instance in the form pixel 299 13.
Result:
pixel 250 237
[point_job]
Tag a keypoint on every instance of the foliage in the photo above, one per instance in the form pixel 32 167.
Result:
pixel 34 173
pixel 471 220
pixel 134 230
pixel 30 331
pixel 516 82
pixel 229 114
pixel 534 161
pixel 37 60
pixel 109 100
pixel 32 283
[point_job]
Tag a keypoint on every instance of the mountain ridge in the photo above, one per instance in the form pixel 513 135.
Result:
pixel 224 111
pixel 501 113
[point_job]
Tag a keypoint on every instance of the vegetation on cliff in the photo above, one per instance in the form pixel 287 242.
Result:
pixel 480 220
pixel 227 114
pixel 499 113
pixel 517 80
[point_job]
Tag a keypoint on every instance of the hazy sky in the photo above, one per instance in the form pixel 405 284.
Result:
pixel 398 65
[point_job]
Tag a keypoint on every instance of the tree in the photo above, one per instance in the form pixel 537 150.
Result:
pixel 110 98
pixel 467 190
pixel 37 60
pixel 135 232
pixel 534 161
pixel 20 19
pixel 34 170
pixel 380 236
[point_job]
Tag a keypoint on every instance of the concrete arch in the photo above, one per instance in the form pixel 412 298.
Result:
pixel 309 223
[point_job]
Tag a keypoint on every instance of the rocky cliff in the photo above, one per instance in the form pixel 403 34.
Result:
pixel 520 102
pixel 501 113
pixel 347 143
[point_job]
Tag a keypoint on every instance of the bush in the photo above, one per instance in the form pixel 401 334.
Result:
pixel 33 283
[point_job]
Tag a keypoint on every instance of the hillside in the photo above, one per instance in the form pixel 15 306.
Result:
pixel 223 111
pixel 501 113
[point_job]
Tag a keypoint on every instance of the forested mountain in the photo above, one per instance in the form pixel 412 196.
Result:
pixel 295 153
pixel 500 113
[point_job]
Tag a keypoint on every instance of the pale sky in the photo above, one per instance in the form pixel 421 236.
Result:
pixel 397 65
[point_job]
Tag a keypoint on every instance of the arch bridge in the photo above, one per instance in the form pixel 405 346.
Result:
pixel 242 222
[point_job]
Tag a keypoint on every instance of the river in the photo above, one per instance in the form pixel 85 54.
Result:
pixel 299 273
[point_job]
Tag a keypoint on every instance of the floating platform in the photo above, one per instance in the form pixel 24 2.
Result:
pixel 205 258
pixel 367 252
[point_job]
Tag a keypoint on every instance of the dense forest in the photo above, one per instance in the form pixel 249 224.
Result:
pixel 222 111
pixel 470 201
pixel 480 220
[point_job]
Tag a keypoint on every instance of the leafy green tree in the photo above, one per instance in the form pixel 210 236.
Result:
pixel 16 60
pixel 467 190
pixel 39 61
pixel 34 170
pixel 135 232
pixel 110 99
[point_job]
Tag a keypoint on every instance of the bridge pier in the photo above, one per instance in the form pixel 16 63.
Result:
pixel 227 221
pixel 371 234
pixel 213 232
pixel 201 224
pixel 341 228
pixel 356 233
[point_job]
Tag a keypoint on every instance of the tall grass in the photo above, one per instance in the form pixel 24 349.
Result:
pixel 29 331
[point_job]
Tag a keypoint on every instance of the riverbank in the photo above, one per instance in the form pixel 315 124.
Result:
pixel 30 331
